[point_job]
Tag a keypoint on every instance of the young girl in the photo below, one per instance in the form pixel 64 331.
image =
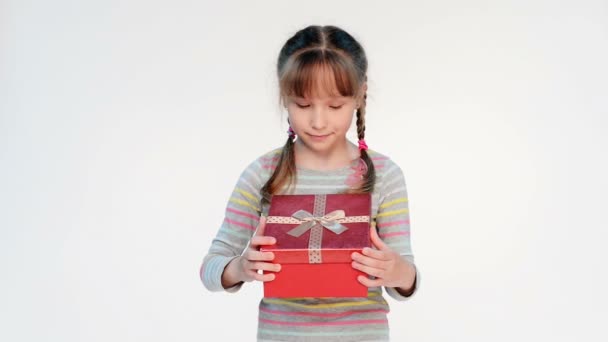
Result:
pixel 322 80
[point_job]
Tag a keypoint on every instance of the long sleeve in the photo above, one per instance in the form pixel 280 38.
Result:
pixel 393 220
pixel 240 221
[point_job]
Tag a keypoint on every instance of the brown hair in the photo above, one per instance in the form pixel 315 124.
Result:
pixel 312 51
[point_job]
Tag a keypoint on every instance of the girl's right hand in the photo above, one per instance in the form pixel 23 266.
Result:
pixel 246 266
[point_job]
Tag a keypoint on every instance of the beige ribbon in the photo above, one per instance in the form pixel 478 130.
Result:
pixel 328 221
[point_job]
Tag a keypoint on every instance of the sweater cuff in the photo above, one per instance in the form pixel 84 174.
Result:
pixel 398 296
pixel 211 275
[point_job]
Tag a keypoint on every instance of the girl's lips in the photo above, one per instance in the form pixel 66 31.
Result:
pixel 318 137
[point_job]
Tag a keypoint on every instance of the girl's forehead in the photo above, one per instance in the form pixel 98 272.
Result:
pixel 320 92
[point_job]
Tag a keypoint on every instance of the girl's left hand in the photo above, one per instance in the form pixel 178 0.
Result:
pixel 389 268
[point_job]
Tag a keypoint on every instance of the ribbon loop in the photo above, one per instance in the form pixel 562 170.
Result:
pixel 329 221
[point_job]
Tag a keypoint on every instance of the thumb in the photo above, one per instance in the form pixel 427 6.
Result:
pixel 261 225
pixel 376 240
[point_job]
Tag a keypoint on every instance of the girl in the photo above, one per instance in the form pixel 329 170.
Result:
pixel 322 80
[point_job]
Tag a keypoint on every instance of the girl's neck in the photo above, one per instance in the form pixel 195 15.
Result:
pixel 337 158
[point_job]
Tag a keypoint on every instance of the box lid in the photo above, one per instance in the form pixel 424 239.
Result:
pixel 332 246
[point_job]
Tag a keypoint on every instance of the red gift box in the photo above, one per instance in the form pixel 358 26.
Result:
pixel 316 235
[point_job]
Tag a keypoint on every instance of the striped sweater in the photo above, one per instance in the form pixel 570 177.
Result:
pixel 315 319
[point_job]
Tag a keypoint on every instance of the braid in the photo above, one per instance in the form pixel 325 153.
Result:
pixel 369 179
pixel 361 119
pixel 285 172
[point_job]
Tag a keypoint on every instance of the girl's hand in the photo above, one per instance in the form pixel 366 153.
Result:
pixel 246 266
pixel 389 268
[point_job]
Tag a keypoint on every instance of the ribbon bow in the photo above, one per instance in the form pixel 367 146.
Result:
pixel 328 221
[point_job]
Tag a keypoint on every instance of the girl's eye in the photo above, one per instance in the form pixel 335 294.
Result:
pixel 306 106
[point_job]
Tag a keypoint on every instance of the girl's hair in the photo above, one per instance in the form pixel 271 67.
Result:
pixel 314 51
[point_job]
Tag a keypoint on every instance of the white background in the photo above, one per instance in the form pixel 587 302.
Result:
pixel 124 126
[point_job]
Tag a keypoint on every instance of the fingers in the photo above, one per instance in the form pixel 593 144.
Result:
pixel 369 282
pixel 262 240
pixel 252 268
pixel 254 261
pixel 369 261
pixel 258 239
pixel 265 266
pixel 373 271
pixel 253 255
pixel 261 225
pixel 260 277
pixel 376 254
pixel 374 263
pixel 374 257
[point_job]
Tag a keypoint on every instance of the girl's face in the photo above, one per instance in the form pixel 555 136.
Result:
pixel 321 121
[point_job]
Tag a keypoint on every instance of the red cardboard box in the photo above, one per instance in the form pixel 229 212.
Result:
pixel 316 235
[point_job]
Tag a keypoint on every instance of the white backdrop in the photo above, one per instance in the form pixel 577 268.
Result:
pixel 125 124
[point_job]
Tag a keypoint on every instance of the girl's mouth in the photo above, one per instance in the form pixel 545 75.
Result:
pixel 319 137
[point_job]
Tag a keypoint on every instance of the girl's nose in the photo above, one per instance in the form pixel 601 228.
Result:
pixel 318 119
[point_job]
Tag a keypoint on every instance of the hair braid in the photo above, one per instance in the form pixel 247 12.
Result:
pixel 285 172
pixel 369 179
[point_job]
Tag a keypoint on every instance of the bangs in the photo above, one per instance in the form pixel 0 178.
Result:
pixel 316 72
